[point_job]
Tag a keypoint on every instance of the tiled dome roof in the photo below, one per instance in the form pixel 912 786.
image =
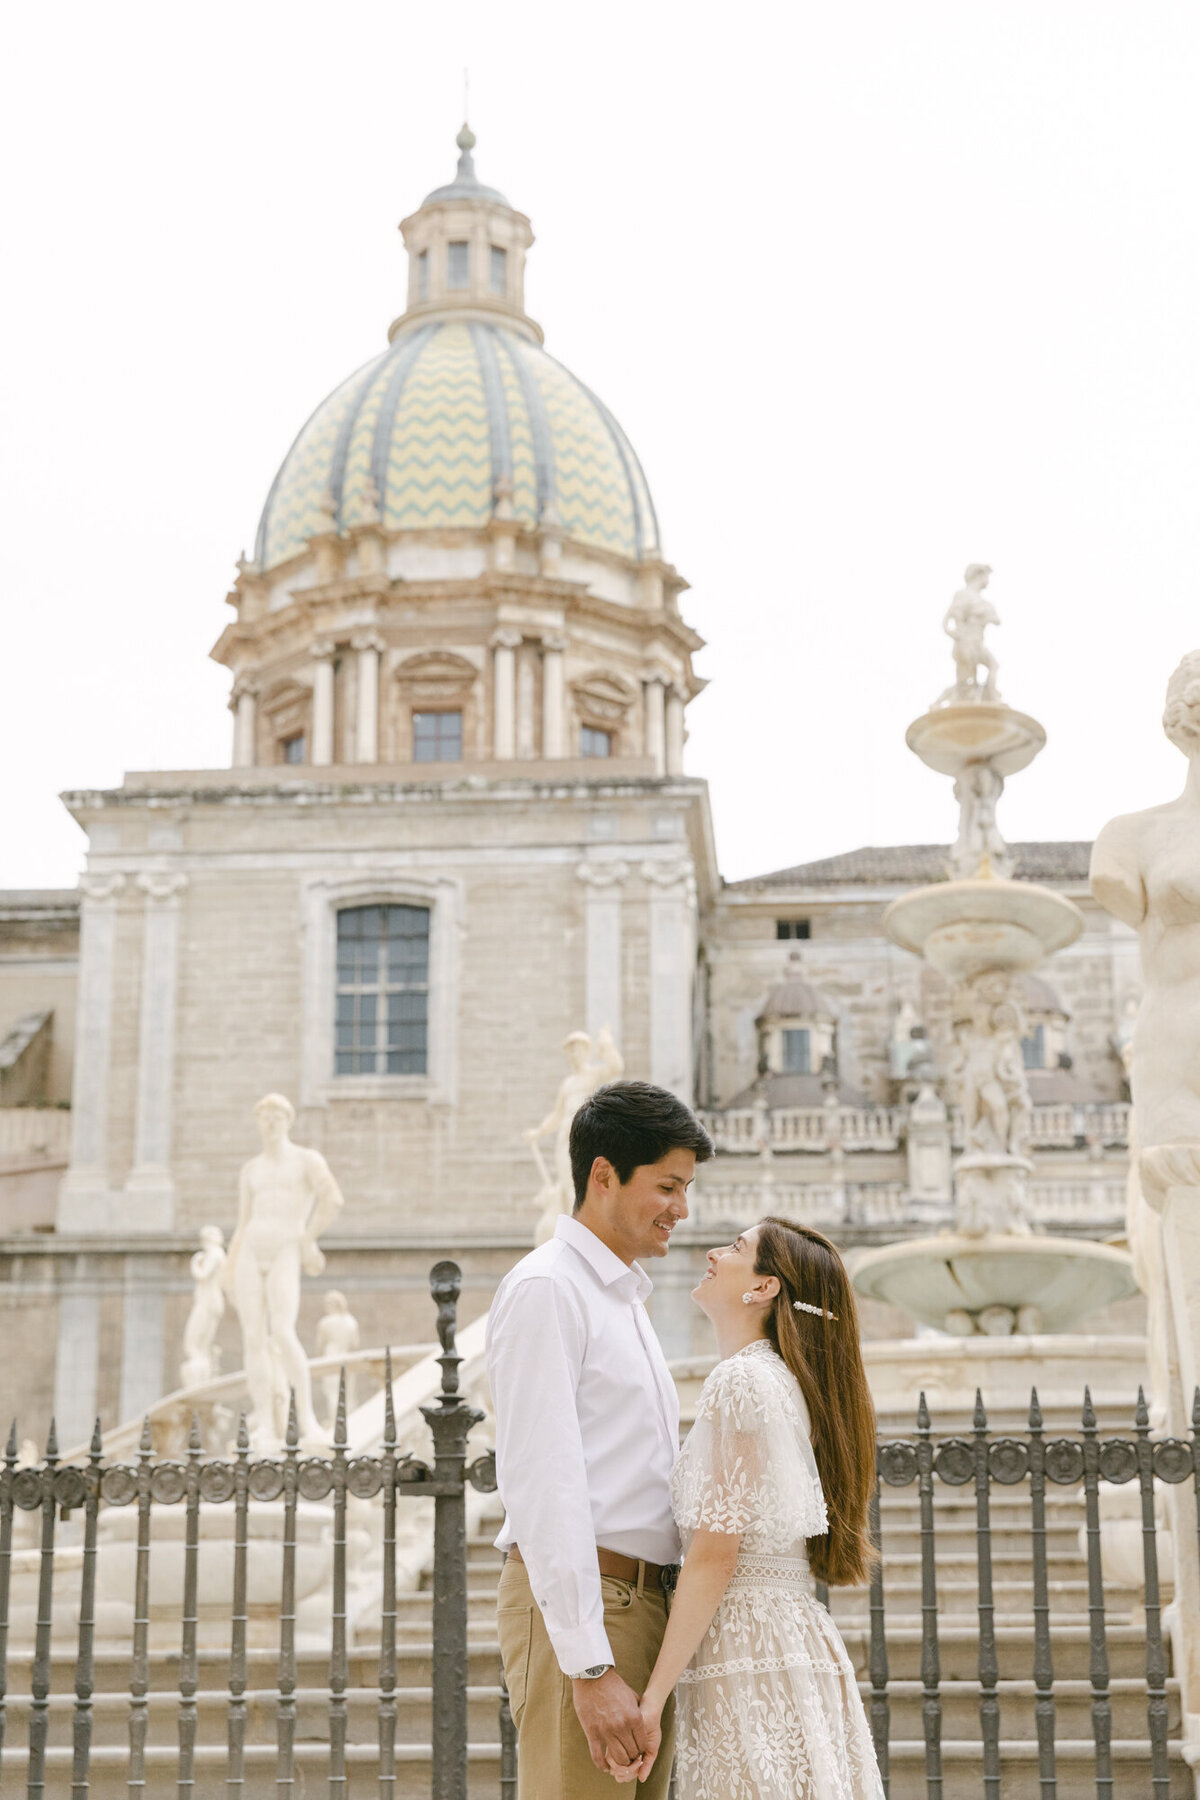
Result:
pixel 448 413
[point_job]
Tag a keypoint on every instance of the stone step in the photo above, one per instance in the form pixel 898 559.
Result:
pixel 111 1670
pixel 1072 1708
pixel 958 1650
pixel 1074 1767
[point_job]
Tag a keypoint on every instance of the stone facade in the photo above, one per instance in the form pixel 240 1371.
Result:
pixel 459 682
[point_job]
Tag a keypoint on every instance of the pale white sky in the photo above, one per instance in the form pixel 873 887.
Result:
pixel 875 289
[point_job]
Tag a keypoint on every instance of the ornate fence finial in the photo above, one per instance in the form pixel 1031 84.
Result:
pixel 1141 1417
pixel 243 1434
pixel 291 1439
pixel 52 1443
pixel 980 1416
pixel 922 1413
pixel 96 1447
pixel 445 1284
pixel 389 1408
pixel 146 1441
pixel 10 1449
pixel 194 1443
pixel 1035 1410
pixel 339 1422
pixel 1089 1411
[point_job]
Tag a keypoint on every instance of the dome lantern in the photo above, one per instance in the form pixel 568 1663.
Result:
pixel 466 252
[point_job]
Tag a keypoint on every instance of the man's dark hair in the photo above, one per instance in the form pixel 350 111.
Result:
pixel 632 1123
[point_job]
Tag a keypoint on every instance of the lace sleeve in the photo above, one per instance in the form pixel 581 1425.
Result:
pixel 748 1466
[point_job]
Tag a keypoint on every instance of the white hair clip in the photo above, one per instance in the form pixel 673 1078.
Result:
pixel 807 1306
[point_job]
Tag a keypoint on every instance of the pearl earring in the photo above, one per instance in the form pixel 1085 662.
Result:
pixel 749 1299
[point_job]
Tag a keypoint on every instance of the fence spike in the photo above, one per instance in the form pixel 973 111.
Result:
pixel 52 1443
pixel 1089 1411
pixel 1195 1409
pixel 194 1445
pixel 292 1437
pixel 1035 1410
pixel 922 1413
pixel 1141 1417
pixel 96 1447
pixel 10 1449
pixel 243 1434
pixel 389 1409
pixel 339 1424
pixel 146 1441
pixel 980 1416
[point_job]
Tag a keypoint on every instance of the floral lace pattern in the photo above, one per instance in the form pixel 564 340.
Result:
pixel 769 1708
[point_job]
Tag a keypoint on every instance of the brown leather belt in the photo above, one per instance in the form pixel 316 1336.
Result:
pixel 626 1568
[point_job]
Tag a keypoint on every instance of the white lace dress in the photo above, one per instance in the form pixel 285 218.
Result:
pixel 769 1707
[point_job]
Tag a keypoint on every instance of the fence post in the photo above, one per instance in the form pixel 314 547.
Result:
pixel 450 1420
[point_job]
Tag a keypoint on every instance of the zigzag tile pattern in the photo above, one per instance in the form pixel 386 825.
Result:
pixel 591 487
pixel 291 513
pixel 440 464
pixel 439 447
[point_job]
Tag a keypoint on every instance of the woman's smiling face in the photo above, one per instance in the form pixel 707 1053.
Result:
pixel 730 1274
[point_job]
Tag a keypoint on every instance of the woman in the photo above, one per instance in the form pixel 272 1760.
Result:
pixel 771 1489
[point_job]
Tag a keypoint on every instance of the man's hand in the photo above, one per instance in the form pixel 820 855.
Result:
pixel 608 1710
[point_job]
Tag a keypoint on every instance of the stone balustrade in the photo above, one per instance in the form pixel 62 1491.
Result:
pixel 747 1130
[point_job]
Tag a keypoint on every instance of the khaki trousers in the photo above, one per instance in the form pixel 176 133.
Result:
pixel 555 1762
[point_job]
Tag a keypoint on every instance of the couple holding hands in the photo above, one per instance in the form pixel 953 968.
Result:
pixel 617 1660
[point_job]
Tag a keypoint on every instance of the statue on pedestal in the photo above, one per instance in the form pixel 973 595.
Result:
pixel 967 618
pixel 287 1198
pixel 989 1085
pixel 586 1072
pixel 201 1358
pixel 337 1335
pixel 979 848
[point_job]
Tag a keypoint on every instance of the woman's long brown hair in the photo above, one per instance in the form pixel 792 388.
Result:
pixel 824 1355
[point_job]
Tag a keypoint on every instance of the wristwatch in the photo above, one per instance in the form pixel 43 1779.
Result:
pixel 594 1673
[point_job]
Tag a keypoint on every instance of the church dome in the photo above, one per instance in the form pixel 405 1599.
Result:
pixel 455 415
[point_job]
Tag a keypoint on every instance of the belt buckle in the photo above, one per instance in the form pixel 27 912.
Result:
pixel 668 1577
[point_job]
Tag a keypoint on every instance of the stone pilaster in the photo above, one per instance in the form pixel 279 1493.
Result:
pixel 504 694
pixel 369 647
pixel 77 1358
pixel 656 728
pixel 244 724
pixel 83 1198
pixel 603 882
pixel 150 1185
pixel 676 701
pixel 554 697
pixel 142 1337
pixel 672 886
pixel 321 749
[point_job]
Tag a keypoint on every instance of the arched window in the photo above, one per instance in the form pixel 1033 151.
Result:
pixel 382 990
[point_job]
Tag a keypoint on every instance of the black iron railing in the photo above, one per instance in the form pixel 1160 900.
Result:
pixel 1081 1462
pixel 278 1681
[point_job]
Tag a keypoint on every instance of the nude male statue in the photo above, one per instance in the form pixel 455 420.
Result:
pixel 585 1074
pixel 969 614
pixel 287 1198
pixel 201 1358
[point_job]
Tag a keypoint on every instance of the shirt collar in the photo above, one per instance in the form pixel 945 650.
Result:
pixel 603 1262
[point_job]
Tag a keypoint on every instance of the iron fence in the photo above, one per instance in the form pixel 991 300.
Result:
pixel 66 1506
pixel 983 1461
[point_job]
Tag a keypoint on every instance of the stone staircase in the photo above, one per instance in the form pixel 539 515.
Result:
pixel 958 1647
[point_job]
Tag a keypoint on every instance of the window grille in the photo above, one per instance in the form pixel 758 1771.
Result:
pixel 792 928
pixel 382 990
pixel 595 743
pixel 458 266
pixel 797 1051
pixel 294 749
pixel 437 737
pixel 498 270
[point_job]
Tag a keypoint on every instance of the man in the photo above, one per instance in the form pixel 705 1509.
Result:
pixel 587 1431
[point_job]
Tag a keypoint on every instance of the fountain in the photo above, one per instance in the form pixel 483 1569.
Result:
pixel 994 1275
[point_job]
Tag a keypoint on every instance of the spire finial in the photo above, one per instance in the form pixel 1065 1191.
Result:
pixel 466 162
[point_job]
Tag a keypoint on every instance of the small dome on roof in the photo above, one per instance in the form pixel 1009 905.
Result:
pixel 466 184
pixel 797 998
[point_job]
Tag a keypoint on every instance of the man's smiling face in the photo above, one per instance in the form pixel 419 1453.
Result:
pixel 636 1218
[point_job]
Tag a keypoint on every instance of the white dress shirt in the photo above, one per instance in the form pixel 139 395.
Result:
pixel 587 1429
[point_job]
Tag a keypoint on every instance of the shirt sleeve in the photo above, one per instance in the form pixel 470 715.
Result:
pixel 748 1464
pixel 535 1347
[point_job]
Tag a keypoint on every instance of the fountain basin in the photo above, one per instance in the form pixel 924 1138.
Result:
pixel 964 927
pixel 947 738
pixel 948 1276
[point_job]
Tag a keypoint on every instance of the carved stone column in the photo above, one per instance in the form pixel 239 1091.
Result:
pixel 603 881
pixel 366 729
pixel 672 887
pixel 676 701
pixel 244 724
pixel 150 1182
pixel 554 697
pixel 322 706
pixel 656 732
pixel 504 694
pixel 526 692
pixel 83 1198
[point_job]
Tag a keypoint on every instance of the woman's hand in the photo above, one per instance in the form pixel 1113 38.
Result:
pixel 651 1716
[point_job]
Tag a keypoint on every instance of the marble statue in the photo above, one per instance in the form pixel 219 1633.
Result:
pixel 586 1072
pixel 201 1357
pixel 988 1070
pixel 287 1198
pixel 967 618
pixel 1146 872
pixel 979 849
pixel 337 1335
